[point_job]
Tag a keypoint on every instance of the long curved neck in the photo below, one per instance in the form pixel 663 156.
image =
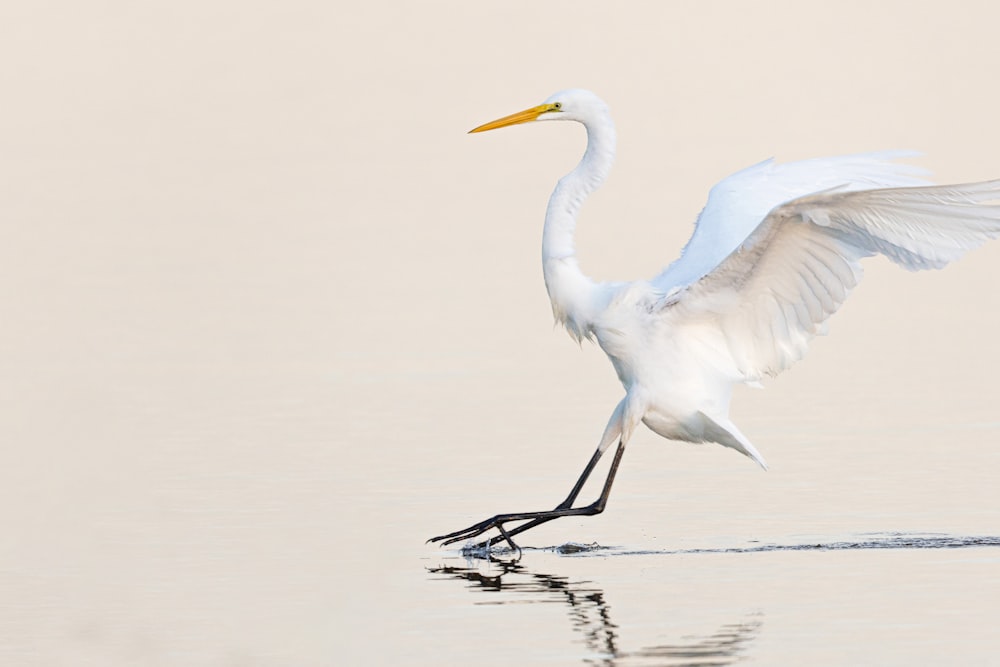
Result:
pixel 571 292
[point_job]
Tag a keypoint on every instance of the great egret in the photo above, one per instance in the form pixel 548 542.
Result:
pixel 774 253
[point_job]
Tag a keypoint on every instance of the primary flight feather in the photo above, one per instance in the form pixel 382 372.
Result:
pixel 775 252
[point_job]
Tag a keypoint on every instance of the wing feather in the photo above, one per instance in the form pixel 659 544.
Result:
pixel 775 291
pixel 737 204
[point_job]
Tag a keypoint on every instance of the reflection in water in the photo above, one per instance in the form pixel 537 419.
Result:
pixel 590 615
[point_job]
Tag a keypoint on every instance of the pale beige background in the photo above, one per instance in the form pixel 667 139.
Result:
pixel 271 318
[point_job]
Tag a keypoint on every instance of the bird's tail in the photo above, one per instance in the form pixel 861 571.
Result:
pixel 724 432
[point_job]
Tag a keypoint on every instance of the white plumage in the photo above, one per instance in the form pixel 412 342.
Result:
pixel 775 252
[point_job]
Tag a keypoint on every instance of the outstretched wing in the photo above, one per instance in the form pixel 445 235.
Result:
pixel 773 293
pixel 738 203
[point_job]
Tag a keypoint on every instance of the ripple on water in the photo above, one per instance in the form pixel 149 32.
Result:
pixel 867 541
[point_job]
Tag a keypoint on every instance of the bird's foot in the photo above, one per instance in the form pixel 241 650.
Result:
pixel 477 529
pixel 531 520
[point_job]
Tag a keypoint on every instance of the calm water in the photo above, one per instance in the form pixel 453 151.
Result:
pixel 271 319
pixel 241 521
pixel 877 601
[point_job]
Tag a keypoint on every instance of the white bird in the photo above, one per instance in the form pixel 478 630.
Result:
pixel 775 252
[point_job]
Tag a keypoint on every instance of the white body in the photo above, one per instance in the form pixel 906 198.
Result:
pixel 774 253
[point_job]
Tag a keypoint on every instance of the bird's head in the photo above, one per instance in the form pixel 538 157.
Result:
pixel 575 104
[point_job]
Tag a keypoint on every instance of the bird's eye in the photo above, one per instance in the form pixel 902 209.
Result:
pixel 558 106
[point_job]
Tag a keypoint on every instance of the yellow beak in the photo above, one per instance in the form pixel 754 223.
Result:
pixel 516 118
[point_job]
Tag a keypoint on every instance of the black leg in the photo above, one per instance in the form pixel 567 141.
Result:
pixel 583 478
pixel 598 506
pixel 533 519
